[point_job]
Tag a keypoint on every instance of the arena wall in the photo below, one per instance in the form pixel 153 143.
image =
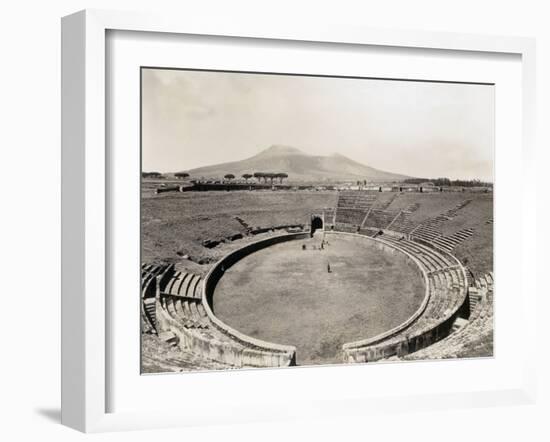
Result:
pixel 408 344
pixel 414 264
pixel 264 354
pixel 260 353
pixel 375 348
pixel 218 350
pixel 239 350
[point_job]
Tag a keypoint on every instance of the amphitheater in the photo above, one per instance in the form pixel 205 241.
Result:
pixel 274 279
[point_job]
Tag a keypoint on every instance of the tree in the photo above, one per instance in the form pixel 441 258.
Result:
pixel 259 176
pixel 247 176
pixel 281 177
pixel 181 175
pixel 229 176
pixel 270 176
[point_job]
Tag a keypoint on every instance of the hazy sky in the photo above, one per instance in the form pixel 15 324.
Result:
pixel 193 119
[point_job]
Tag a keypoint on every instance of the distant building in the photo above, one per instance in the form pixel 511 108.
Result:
pixel 407 187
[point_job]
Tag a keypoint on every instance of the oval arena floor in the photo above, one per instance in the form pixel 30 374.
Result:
pixel 285 294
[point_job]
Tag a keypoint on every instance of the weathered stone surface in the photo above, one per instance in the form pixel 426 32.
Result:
pixel 169 337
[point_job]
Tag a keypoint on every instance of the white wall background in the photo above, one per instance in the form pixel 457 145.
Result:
pixel 30 221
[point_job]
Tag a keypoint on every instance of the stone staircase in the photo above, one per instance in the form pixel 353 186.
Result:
pixel 379 219
pixel 402 222
pixel 149 276
pixel 448 243
pixel 429 230
pixel 384 205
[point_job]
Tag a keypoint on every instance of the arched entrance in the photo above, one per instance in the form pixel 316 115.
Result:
pixel 316 224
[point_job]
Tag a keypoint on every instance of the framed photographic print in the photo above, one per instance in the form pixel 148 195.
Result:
pixel 253 212
pixel 282 257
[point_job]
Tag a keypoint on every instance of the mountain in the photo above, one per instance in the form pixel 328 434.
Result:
pixel 299 166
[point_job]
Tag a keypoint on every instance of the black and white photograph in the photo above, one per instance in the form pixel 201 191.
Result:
pixel 296 220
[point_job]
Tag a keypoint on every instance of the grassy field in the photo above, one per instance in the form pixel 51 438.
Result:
pixel 176 224
pixel 284 294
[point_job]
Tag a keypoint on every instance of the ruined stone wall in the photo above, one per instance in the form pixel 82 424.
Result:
pixel 221 350
pixel 397 342
pixel 259 353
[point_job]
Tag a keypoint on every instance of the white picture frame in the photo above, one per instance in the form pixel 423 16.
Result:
pixel 85 210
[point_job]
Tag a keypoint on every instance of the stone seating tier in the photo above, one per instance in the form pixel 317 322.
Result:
pixel 180 311
pixel 427 233
pixel 442 301
pixel 478 326
pixel 369 232
pixel 380 219
pixel 447 243
pixel 350 216
pixel 402 223
pixel 150 274
pixel 184 284
pixel 181 297
pixel 149 315
pixel 184 311
pixel 356 200
pixel 422 252
pixel 346 228
pixel 429 230
pixel 447 291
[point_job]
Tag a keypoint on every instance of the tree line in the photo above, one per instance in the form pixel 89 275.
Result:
pixel 151 174
pixel 269 176
pixel 448 182
pixel 259 176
